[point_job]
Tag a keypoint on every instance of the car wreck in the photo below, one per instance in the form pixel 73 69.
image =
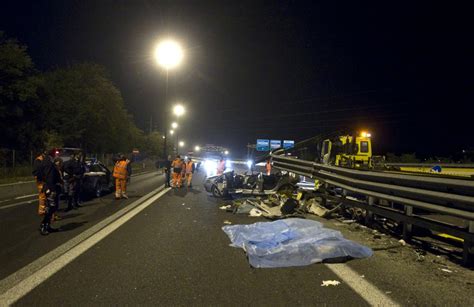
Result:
pixel 257 184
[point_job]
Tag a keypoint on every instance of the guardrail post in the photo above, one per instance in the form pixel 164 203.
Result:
pixel 468 252
pixel 369 215
pixel 407 227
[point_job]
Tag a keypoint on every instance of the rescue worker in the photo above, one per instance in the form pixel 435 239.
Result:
pixel 39 178
pixel 52 181
pixel 189 172
pixel 74 170
pixel 268 167
pixel 168 171
pixel 120 174
pixel 177 166
pixel 220 167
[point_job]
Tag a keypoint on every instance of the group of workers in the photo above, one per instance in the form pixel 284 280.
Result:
pixel 180 170
pixel 53 178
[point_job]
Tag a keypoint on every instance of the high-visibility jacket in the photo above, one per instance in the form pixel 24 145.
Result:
pixel 190 167
pixel 177 165
pixel 120 169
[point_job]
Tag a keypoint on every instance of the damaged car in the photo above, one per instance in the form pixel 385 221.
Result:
pixel 258 184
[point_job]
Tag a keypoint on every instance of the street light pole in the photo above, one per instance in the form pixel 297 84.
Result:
pixel 165 150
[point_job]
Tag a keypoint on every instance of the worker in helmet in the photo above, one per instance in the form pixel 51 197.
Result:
pixel 189 172
pixel 177 166
pixel 120 174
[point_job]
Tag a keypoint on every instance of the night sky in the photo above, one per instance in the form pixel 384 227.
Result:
pixel 281 70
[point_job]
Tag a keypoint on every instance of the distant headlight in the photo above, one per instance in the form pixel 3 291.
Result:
pixel 210 167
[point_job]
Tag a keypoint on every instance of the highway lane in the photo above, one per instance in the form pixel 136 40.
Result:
pixel 175 253
pixel 21 242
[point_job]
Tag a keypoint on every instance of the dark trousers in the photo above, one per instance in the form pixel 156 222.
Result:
pixel 168 178
pixel 51 207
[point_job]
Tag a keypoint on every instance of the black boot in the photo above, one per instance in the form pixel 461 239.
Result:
pixel 44 229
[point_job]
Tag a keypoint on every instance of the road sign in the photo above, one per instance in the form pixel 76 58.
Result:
pixel 275 144
pixel 263 145
pixel 288 144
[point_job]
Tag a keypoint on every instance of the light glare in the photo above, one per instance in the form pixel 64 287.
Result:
pixel 168 54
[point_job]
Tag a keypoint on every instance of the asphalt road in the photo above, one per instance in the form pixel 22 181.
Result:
pixel 172 251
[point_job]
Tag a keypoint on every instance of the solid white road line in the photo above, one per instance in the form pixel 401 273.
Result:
pixel 365 289
pixel 20 283
pixel 25 196
pixel 17 204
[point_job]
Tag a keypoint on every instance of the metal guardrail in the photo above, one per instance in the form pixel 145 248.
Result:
pixel 406 198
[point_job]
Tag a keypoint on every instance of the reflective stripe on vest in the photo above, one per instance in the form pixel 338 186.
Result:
pixel 120 170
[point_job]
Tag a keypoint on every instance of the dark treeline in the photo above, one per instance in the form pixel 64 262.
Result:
pixel 74 106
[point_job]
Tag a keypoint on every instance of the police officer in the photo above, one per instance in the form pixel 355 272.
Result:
pixel 39 178
pixel 74 170
pixel 52 181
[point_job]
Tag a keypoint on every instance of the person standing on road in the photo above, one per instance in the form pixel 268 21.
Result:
pixel 177 166
pixel 74 169
pixel 268 167
pixel 120 174
pixel 220 167
pixel 168 171
pixel 51 187
pixel 189 172
pixel 39 178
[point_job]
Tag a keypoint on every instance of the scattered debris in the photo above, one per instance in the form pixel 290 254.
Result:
pixel 255 213
pixel 227 222
pixel 349 221
pixel 377 236
pixel 402 242
pixel 225 207
pixel 327 283
pixel 182 204
pixel 420 255
pixel 188 208
pixel 446 270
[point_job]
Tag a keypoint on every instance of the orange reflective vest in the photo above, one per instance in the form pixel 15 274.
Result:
pixel 120 169
pixel 189 167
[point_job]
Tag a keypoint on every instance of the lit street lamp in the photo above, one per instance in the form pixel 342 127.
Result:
pixel 197 148
pixel 174 125
pixel 178 110
pixel 171 132
pixel 168 54
pixel 181 144
pixel 226 152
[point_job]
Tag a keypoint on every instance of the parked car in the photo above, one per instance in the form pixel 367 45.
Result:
pixel 253 184
pixel 98 179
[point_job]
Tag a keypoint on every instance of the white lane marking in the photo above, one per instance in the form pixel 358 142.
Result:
pixel 20 283
pixel 17 204
pixel 361 286
pixel 26 196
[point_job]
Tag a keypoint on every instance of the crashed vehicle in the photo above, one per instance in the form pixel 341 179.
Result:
pixel 258 184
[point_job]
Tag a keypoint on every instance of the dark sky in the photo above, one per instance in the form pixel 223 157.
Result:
pixel 282 70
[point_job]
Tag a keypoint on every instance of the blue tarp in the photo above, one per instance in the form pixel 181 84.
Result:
pixel 292 242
